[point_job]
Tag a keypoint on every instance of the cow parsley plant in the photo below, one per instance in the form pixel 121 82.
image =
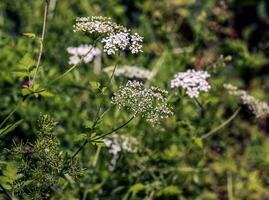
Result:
pixel 259 108
pixel 114 37
pixel 192 81
pixel 132 72
pixel 151 102
pixel 85 53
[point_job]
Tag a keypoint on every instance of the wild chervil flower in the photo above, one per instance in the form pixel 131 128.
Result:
pixel 85 53
pixel 151 102
pixel 118 143
pixel 132 72
pixel 97 25
pixel 259 108
pixel 114 37
pixel 193 81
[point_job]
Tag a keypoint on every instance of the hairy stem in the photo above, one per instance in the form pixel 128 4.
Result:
pixel 42 40
pixel 222 125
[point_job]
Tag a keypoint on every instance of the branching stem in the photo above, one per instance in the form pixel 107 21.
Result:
pixel 101 137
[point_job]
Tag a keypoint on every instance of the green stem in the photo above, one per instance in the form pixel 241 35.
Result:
pixel 75 65
pixel 114 130
pixel 230 186
pixel 37 65
pixel 6 192
pixel 42 41
pixel 100 137
pixel 114 69
pixel 222 125
pixel 200 106
pixel 14 110
pixel 97 155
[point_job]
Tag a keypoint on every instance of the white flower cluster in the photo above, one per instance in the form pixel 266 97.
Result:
pixel 259 108
pixel 118 143
pixel 132 72
pixel 151 102
pixel 114 37
pixel 97 25
pixel 193 81
pixel 85 53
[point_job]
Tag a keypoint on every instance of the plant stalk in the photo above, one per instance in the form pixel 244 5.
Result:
pixel 101 136
pixel 222 125
pixel 42 40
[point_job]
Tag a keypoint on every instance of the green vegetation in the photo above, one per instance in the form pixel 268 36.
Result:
pixel 106 122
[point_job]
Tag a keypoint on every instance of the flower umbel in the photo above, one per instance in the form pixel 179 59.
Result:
pixel 114 37
pixel 259 108
pixel 132 72
pixel 97 25
pixel 193 81
pixel 118 143
pixel 85 53
pixel 151 102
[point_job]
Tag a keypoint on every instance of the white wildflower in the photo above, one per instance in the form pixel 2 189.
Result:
pixel 97 25
pixel 118 143
pixel 114 37
pixel 259 108
pixel 151 102
pixel 85 53
pixel 136 41
pixel 116 42
pixel 193 81
pixel 132 72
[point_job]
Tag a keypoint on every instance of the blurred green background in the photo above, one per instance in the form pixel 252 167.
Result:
pixel 178 35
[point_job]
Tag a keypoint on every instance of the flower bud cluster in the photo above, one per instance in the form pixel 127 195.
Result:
pixel 151 102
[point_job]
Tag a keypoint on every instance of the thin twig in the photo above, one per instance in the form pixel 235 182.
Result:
pixel 222 125
pixel 75 65
pixel 42 40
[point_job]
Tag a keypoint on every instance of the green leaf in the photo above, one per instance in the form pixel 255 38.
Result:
pixel 9 175
pixel 198 142
pixel 26 91
pixel 21 74
pixel 169 191
pixel 46 94
pixel 26 62
pixel 137 187
pixel 30 35
pixel 10 128
pixel 80 137
pixel 95 85
pixel 94 188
